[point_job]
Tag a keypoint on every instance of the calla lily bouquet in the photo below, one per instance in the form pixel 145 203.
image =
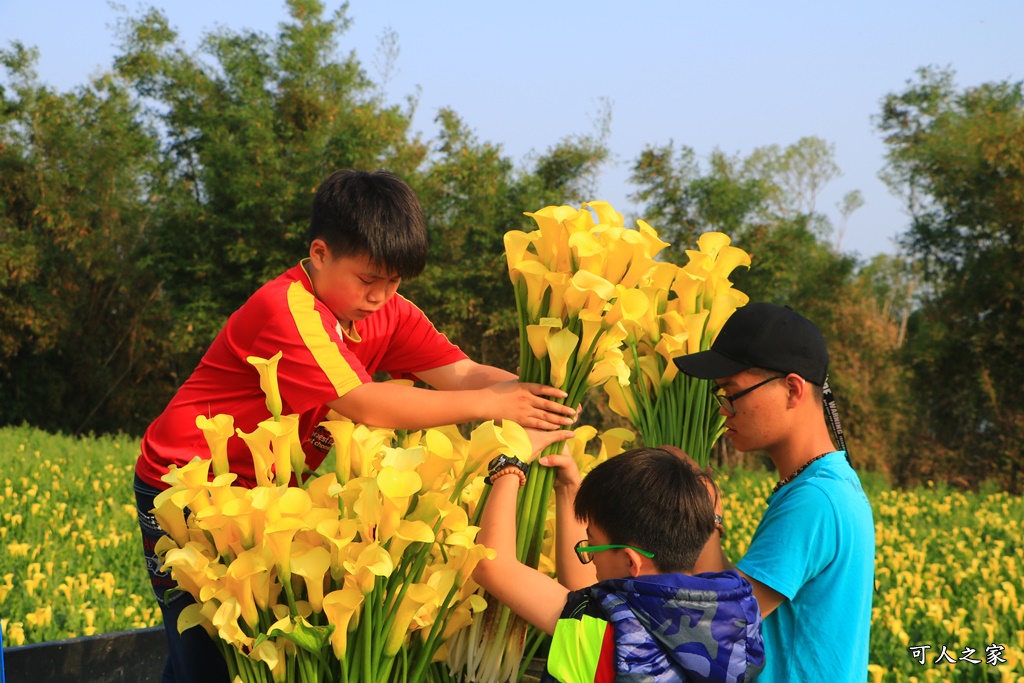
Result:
pixel 361 574
pixel 685 309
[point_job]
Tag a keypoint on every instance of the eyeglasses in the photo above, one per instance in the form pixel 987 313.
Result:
pixel 586 552
pixel 728 401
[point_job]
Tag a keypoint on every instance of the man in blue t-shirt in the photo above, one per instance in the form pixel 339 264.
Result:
pixel 811 560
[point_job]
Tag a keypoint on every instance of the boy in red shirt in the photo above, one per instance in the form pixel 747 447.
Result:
pixel 337 319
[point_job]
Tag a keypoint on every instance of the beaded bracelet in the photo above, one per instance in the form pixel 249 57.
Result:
pixel 510 470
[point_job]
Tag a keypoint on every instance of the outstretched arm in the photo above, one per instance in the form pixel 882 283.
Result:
pixel 464 374
pixel 534 596
pixel 402 407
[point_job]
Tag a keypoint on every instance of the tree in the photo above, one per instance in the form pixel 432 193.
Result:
pixel 767 203
pixel 957 157
pixel 78 345
pixel 250 126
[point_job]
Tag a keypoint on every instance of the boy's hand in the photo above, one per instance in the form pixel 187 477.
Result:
pixel 524 403
pixel 568 474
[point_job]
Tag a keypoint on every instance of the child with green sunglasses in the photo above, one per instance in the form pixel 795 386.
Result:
pixel 625 603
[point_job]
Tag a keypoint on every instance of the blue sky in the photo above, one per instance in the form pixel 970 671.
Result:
pixel 525 74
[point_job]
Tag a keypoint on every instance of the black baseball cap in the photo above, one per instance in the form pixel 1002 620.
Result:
pixel 762 335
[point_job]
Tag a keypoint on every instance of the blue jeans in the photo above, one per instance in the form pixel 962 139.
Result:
pixel 192 656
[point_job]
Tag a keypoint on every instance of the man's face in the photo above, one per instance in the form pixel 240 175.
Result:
pixel 759 414
pixel 352 287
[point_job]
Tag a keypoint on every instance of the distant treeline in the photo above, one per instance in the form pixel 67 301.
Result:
pixel 139 210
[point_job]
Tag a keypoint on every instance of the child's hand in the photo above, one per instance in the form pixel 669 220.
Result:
pixel 568 473
pixel 524 403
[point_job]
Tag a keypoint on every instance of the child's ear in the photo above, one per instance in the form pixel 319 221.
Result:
pixel 318 252
pixel 636 562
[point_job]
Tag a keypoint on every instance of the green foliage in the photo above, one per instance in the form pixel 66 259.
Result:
pixel 958 158
pixel 250 126
pixel 78 323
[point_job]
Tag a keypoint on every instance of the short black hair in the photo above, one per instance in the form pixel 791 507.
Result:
pixel 373 214
pixel 651 499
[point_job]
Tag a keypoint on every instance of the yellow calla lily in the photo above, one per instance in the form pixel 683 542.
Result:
pixel 653 243
pixel 539 333
pixel 372 561
pixel 589 251
pixel 312 563
pixel 558 284
pixel 617 260
pixel 440 462
pixel 689 290
pixel 267 367
pixel 286 446
pixel 339 607
pixel 612 440
pixel 192 616
pixel 409 531
pixel 338 534
pixel 711 243
pixel 533 275
pixel 217 430
pixel 489 440
pixel 416 596
pixel 171 519
pixel 612 365
pixel 621 400
pixel 668 347
pixel 462 614
pixel 650 372
pixel 366 445
pixel 723 306
pixel 397 487
pixel 695 323
pixel 341 432
pixel 662 274
pixel 271 654
pixel 606 214
pixel 258 441
pixel 278 536
pixel 729 259
pixel 252 568
pixel 630 305
pixel 553 235
pixel 517 243
pixel 561 347
pixel 587 291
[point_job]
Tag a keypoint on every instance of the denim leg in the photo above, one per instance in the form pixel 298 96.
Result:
pixel 192 656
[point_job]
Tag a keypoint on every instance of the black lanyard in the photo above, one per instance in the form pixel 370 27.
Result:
pixel 832 415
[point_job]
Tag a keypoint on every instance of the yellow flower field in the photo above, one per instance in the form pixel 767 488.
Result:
pixel 949 565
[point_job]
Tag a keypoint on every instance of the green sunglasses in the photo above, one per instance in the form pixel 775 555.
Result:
pixel 586 552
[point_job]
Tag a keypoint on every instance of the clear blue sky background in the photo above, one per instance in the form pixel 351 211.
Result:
pixel 732 75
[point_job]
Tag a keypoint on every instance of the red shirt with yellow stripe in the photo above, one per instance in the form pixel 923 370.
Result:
pixel 320 362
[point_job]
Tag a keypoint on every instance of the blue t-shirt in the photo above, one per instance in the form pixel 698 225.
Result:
pixel 816 546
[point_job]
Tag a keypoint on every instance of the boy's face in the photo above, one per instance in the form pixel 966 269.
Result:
pixel 759 414
pixel 352 287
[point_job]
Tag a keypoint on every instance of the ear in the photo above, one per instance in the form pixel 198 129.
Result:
pixel 318 252
pixel 796 386
pixel 636 562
